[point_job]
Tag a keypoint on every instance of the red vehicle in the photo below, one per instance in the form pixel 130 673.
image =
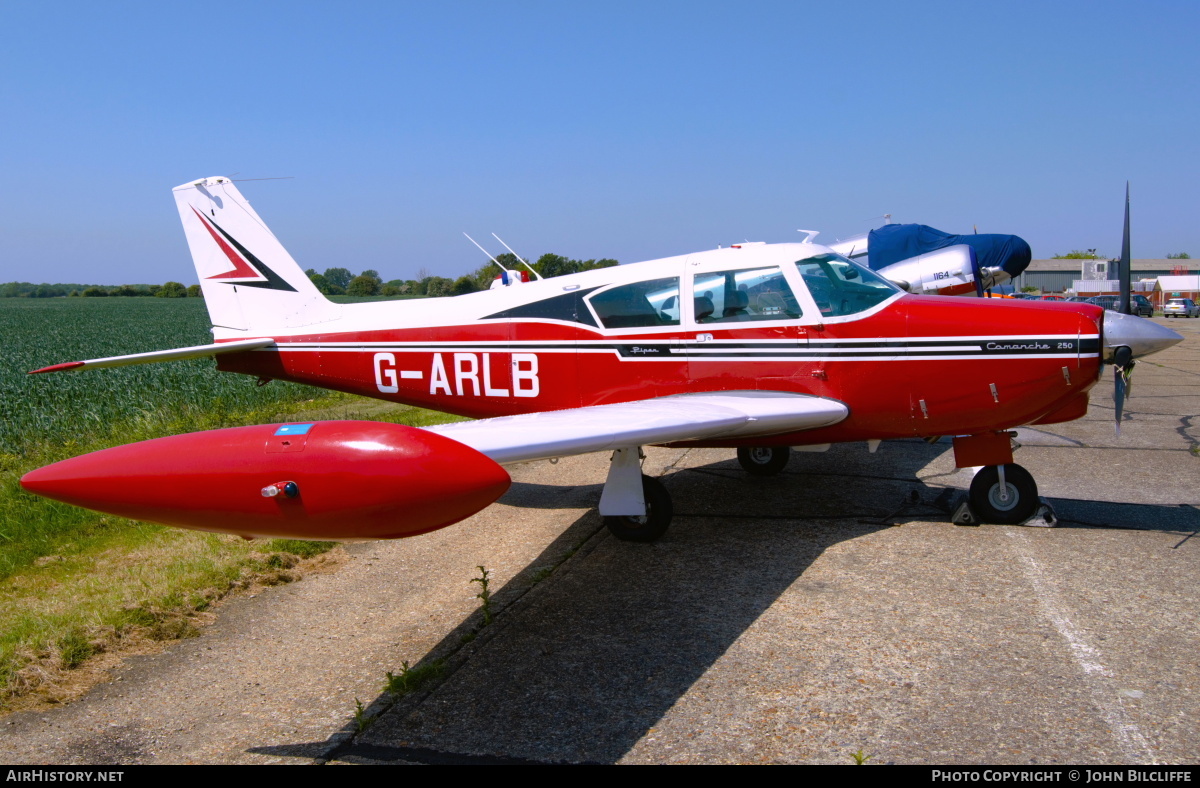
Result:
pixel 756 348
pixel 1052 297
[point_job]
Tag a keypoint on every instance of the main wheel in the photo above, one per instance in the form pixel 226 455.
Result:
pixel 1019 503
pixel 654 524
pixel 763 460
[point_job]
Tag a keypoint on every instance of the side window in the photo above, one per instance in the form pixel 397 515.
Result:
pixel 743 296
pixel 642 304
pixel 841 287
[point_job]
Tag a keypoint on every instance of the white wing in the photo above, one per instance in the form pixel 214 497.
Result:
pixel 711 416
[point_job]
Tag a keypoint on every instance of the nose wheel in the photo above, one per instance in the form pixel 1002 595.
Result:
pixel 1004 494
pixel 763 460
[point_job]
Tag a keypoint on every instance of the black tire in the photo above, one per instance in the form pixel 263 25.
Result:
pixel 1022 491
pixel 651 527
pixel 763 460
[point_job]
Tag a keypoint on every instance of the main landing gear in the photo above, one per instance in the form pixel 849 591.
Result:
pixel 635 508
pixel 763 460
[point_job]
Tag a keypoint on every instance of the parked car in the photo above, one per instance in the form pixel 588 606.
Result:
pixel 1139 305
pixel 1052 297
pixel 1181 307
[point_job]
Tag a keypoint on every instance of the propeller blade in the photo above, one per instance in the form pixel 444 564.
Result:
pixel 1123 273
pixel 1122 363
pixel 976 272
pixel 1118 395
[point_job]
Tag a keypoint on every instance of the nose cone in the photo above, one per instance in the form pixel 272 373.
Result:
pixel 1141 336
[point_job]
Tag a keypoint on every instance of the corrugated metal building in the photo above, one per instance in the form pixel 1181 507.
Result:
pixel 1057 276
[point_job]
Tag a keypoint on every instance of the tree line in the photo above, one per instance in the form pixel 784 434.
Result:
pixel 340 281
pixel 44 290
pixel 334 281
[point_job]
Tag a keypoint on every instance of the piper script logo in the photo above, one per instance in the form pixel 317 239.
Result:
pixel 466 374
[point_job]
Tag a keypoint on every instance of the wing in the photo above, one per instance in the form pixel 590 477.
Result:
pixel 725 414
pixel 341 479
pixel 177 354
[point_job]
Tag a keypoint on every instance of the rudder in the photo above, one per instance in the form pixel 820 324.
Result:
pixel 250 282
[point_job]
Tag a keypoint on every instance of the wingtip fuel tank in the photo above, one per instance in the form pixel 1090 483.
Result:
pixel 337 480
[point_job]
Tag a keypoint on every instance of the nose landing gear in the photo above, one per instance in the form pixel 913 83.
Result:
pixel 1004 494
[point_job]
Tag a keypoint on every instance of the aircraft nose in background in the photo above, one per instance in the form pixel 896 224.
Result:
pixel 1141 336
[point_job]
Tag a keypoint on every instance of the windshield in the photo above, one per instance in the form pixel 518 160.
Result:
pixel 841 287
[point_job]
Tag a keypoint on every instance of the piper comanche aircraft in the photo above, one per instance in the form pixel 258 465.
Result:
pixel 758 347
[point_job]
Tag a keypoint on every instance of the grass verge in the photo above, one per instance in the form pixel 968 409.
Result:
pixel 77 587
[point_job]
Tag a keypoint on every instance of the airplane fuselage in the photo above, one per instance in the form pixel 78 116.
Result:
pixel 904 365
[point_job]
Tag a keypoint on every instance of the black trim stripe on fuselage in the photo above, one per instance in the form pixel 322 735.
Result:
pixel 881 349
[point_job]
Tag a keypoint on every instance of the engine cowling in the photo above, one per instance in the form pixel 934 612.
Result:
pixel 339 480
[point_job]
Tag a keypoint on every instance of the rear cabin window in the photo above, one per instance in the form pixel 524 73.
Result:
pixel 841 287
pixel 743 296
pixel 639 305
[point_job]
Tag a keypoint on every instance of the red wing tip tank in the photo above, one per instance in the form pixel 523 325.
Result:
pixel 339 480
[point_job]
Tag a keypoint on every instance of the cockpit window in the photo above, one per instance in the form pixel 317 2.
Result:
pixel 841 287
pixel 641 304
pixel 743 296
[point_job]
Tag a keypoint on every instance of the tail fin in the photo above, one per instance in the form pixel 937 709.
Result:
pixel 250 282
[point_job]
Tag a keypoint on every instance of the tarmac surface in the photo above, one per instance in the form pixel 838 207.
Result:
pixel 801 618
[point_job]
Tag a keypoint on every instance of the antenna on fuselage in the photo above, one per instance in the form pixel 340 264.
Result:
pixel 514 254
pixel 811 234
pixel 485 251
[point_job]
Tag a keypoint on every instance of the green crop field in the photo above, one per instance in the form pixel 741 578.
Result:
pixel 87 406
pixel 74 582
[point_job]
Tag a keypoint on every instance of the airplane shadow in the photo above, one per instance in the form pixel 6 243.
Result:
pixel 581 666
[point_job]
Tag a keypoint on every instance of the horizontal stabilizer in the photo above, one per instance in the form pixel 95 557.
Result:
pixel 178 354
pixel 716 415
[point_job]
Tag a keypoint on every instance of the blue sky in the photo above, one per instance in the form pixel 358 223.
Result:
pixel 626 130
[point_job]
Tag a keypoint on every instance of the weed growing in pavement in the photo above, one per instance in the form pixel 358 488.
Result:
pixel 484 594
pixel 411 679
pixel 859 757
pixel 362 720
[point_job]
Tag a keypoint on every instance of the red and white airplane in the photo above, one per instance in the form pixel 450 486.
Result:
pixel 757 347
